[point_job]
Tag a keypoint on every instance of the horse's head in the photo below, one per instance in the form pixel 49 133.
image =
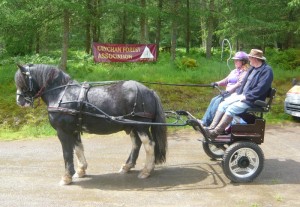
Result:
pixel 33 80
pixel 27 87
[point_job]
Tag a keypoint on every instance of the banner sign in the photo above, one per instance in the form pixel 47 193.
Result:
pixel 124 52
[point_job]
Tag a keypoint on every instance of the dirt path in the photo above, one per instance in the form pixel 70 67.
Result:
pixel 30 172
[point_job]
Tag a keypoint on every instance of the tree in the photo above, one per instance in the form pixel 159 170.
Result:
pixel 65 42
pixel 188 29
pixel 174 26
pixel 88 36
pixel 124 24
pixel 210 28
pixel 158 25
pixel 143 23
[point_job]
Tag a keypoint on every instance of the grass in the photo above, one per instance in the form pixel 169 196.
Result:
pixel 16 122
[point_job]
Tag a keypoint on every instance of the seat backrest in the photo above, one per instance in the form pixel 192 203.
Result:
pixel 269 99
pixel 263 106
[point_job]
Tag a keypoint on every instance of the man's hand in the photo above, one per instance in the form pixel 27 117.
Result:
pixel 242 97
pixel 224 93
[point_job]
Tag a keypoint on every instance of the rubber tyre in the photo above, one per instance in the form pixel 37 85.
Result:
pixel 243 162
pixel 214 151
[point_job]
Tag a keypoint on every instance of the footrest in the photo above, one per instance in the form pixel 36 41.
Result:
pixel 223 138
pixel 244 134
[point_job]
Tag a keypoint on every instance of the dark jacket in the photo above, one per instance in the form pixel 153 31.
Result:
pixel 259 85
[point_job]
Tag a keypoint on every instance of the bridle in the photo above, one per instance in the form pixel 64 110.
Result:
pixel 31 94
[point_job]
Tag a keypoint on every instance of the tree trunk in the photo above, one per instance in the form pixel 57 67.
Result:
pixel 188 29
pixel 210 27
pixel 158 27
pixel 174 30
pixel 88 27
pixel 124 25
pixel 143 23
pixel 203 23
pixel 65 44
pixel 95 23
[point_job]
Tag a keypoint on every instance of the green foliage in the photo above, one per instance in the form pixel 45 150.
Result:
pixel 287 60
pixel 16 122
pixel 186 63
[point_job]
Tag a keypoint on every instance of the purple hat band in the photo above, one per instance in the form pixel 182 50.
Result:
pixel 240 56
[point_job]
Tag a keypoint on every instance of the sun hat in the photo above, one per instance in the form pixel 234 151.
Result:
pixel 255 53
pixel 240 56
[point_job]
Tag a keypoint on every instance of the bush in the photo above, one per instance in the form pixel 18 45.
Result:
pixel 185 62
pixel 286 60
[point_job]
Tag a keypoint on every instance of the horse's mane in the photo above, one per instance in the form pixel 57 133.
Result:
pixel 41 73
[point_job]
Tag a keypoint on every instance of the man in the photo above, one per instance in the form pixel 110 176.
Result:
pixel 255 86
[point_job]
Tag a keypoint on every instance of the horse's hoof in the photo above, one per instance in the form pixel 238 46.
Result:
pixel 125 169
pixel 143 175
pixel 79 174
pixel 65 181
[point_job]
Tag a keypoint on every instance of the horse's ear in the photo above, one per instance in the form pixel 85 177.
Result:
pixel 22 69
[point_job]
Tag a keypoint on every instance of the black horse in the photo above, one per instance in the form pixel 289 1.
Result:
pixel 99 108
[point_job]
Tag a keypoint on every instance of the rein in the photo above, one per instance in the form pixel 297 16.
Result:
pixel 41 91
pixel 102 83
pixel 175 84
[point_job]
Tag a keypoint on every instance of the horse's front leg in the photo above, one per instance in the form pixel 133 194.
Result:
pixel 68 143
pixel 81 161
pixel 136 145
pixel 150 157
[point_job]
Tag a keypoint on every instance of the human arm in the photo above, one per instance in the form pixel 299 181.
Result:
pixel 259 86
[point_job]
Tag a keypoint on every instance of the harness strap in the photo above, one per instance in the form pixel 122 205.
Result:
pixel 81 99
pixel 140 114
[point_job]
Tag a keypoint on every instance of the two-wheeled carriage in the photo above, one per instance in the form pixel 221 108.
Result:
pixel 109 107
pixel 238 147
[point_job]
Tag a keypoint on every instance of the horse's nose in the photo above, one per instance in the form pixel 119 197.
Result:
pixel 20 103
pixel 20 100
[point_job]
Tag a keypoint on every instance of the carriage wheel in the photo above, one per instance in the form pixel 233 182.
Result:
pixel 243 161
pixel 214 151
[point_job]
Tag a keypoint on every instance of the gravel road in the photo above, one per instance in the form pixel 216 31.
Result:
pixel 31 170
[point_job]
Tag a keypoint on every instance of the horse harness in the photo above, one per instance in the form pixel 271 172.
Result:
pixel 82 100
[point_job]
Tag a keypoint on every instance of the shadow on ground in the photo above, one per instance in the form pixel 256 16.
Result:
pixel 183 177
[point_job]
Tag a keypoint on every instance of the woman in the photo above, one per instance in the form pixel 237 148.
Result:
pixel 232 82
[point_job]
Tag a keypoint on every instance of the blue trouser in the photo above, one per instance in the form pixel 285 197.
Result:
pixel 211 110
pixel 232 106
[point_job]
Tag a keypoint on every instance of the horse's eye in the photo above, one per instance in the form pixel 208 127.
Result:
pixel 24 89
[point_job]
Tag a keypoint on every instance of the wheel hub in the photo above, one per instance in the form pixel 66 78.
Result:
pixel 243 162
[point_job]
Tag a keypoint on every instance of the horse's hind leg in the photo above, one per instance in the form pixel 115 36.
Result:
pixel 150 157
pixel 136 145
pixel 81 161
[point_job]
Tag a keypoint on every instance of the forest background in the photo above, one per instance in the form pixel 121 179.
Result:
pixel 189 35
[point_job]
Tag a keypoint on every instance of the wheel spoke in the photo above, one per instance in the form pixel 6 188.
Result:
pixel 253 162
pixel 234 163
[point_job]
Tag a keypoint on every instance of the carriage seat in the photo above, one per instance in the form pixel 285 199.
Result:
pixel 260 107
pixel 263 106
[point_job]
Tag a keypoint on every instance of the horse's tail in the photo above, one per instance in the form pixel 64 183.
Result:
pixel 159 132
